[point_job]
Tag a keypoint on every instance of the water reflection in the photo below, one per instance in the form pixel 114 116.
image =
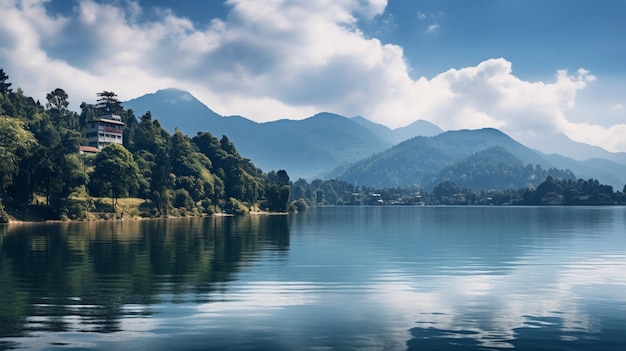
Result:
pixel 88 277
pixel 337 278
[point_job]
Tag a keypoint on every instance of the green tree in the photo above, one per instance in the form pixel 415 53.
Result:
pixel 73 176
pixel 5 87
pixel 445 189
pixel 115 174
pixel 192 168
pixel 299 205
pixel 161 180
pixel 148 135
pixel 15 144
pixel 57 107
pixel 283 177
pixel 277 198
pixel 88 112
pixel 108 104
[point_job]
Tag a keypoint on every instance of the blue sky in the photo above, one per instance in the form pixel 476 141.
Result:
pixel 527 67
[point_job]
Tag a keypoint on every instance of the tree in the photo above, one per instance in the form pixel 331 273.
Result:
pixel 4 86
pixel 115 174
pixel 108 104
pixel 161 181
pixel 277 198
pixel 15 143
pixel 445 189
pixel 57 109
pixel 283 178
pixel 88 112
pixel 57 104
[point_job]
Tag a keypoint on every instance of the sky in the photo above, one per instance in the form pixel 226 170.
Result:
pixel 526 67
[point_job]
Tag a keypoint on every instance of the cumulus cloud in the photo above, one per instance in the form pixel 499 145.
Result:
pixel 275 59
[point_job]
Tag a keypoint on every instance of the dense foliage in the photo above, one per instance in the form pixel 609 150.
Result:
pixel 552 191
pixel 427 161
pixel 175 174
pixel 497 168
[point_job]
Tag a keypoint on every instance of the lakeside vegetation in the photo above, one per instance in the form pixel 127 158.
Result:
pixel 553 191
pixel 43 174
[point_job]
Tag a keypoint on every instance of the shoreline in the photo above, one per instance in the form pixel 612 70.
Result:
pixel 14 221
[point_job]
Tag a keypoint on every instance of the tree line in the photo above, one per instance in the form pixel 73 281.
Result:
pixel 552 191
pixel 174 174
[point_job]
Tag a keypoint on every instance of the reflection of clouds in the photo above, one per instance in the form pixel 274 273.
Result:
pixel 83 326
pixel 261 296
pixel 536 293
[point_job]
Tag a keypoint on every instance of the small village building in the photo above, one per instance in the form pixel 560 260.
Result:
pixel 88 150
pixel 105 130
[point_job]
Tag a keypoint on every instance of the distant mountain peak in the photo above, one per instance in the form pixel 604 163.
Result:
pixel 176 94
pixel 327 115
pixel 175 108
pixel 172 95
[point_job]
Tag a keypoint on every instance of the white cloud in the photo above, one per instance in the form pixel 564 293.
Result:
pixel 617 108
pixel 432 28
pixel 277 59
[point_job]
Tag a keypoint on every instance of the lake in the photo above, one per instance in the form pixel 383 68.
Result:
pixel 337 278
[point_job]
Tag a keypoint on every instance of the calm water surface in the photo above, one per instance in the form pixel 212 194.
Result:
pixel 347 278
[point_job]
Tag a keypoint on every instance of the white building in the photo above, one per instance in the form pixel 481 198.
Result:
pixel 105 130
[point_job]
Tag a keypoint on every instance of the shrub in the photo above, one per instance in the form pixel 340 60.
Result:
pixel 235 206
pixel 298 206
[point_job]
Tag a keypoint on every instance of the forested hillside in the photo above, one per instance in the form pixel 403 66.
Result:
pixel 427 161
pixel 497 168
pixel 42 168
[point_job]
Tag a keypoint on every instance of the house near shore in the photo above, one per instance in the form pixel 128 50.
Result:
pixel 105 130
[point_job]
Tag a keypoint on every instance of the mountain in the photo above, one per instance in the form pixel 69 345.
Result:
pixel 174 109
pixel 417 128
pixel 606 171
pixel 561 144
pixel 304 148
pixel 310 147
pixel 497 168
pixel 420 160
pixel 328 145
pixel 382 131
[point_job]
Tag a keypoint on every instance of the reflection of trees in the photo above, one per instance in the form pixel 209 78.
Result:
pixel 80 276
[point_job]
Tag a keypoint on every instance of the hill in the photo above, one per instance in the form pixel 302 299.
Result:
pixel 497 168
pixel 420 161
pixel 606 171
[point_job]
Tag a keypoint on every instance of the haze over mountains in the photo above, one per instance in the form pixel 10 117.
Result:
pixel 358 150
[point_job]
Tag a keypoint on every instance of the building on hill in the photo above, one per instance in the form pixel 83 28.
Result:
pixel 105 130
pixel 88 150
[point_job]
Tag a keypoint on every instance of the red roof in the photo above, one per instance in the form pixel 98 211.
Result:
pixel 89 149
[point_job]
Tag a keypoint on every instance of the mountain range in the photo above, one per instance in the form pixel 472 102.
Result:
pixel 355 149
pixel 307 148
